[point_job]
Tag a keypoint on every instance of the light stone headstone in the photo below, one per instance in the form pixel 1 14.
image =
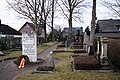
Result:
pixel 86 41
pixel 66 44
pixel 29 43
pixel 103 55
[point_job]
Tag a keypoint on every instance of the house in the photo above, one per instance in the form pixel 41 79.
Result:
pixel 9 37
pixel 31 27
pixel 105 30
pixel 77 33
pixel 108 28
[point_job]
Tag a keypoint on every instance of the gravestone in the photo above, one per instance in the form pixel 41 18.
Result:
pixel 86 41
pixel 66 45
pixel 103 55
pixel 51 59
pixel 98 48
pixel 29 42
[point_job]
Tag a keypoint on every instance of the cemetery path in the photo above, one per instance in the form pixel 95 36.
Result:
pixel 8 70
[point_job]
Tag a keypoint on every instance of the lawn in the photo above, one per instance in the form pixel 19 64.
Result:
pixel 14 54
pixel 44 46
pixel 63 71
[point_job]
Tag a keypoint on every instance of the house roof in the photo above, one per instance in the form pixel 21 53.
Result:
pixel 108 25
pixel 30 24
pixel 31 28
pixel 5 29
pixel 109 35
pixel 74 30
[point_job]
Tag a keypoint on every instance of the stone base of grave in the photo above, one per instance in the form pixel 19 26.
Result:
pixel 105 64
pixel 95 67
pixel 104 61
pixel 44 70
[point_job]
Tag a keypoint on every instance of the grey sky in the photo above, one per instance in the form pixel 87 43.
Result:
pixel 9 16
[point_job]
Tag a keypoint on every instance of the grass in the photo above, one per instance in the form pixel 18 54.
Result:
pixel 64 72
pixel 44 47
pixel 14 54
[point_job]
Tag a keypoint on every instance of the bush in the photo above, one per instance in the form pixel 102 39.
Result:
pixel 77 46
pixel 114 52
pixel 86 63
pixel 79 51
pixel 77 43
pixel 62 45
pixel 27 61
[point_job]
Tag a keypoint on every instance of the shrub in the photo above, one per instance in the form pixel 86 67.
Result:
pixel 79 51
pixel 27 61
pixel 114 52
pixel 62 45
pixel 86 63
pixel 77 47
pixel 77 43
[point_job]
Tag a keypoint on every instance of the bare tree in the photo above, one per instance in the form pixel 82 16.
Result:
pixel 46 9
pixel 33 10
pixel 28 9
pixel 69 8
pixel 113 5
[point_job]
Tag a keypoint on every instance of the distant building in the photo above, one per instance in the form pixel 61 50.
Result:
pixel 9 37
pixel 77 33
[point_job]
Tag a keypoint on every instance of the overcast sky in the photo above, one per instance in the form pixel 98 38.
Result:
pixel 10 18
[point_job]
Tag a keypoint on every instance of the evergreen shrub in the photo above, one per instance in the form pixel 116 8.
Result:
pixel 27 61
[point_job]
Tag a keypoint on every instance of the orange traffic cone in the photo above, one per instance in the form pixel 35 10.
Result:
pixel 22 63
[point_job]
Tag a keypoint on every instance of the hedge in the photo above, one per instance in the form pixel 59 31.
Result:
pixel 79 51
pixel 114 52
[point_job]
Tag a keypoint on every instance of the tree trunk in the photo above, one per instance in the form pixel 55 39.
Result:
pixel 70 26
pixel 52 20
pixel 35 21
pixel 93 22
pixel 92 33
pixel 45 30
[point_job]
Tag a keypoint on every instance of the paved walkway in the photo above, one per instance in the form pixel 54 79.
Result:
pixel 8 70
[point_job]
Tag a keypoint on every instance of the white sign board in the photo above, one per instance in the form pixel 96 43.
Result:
pixel 29 46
